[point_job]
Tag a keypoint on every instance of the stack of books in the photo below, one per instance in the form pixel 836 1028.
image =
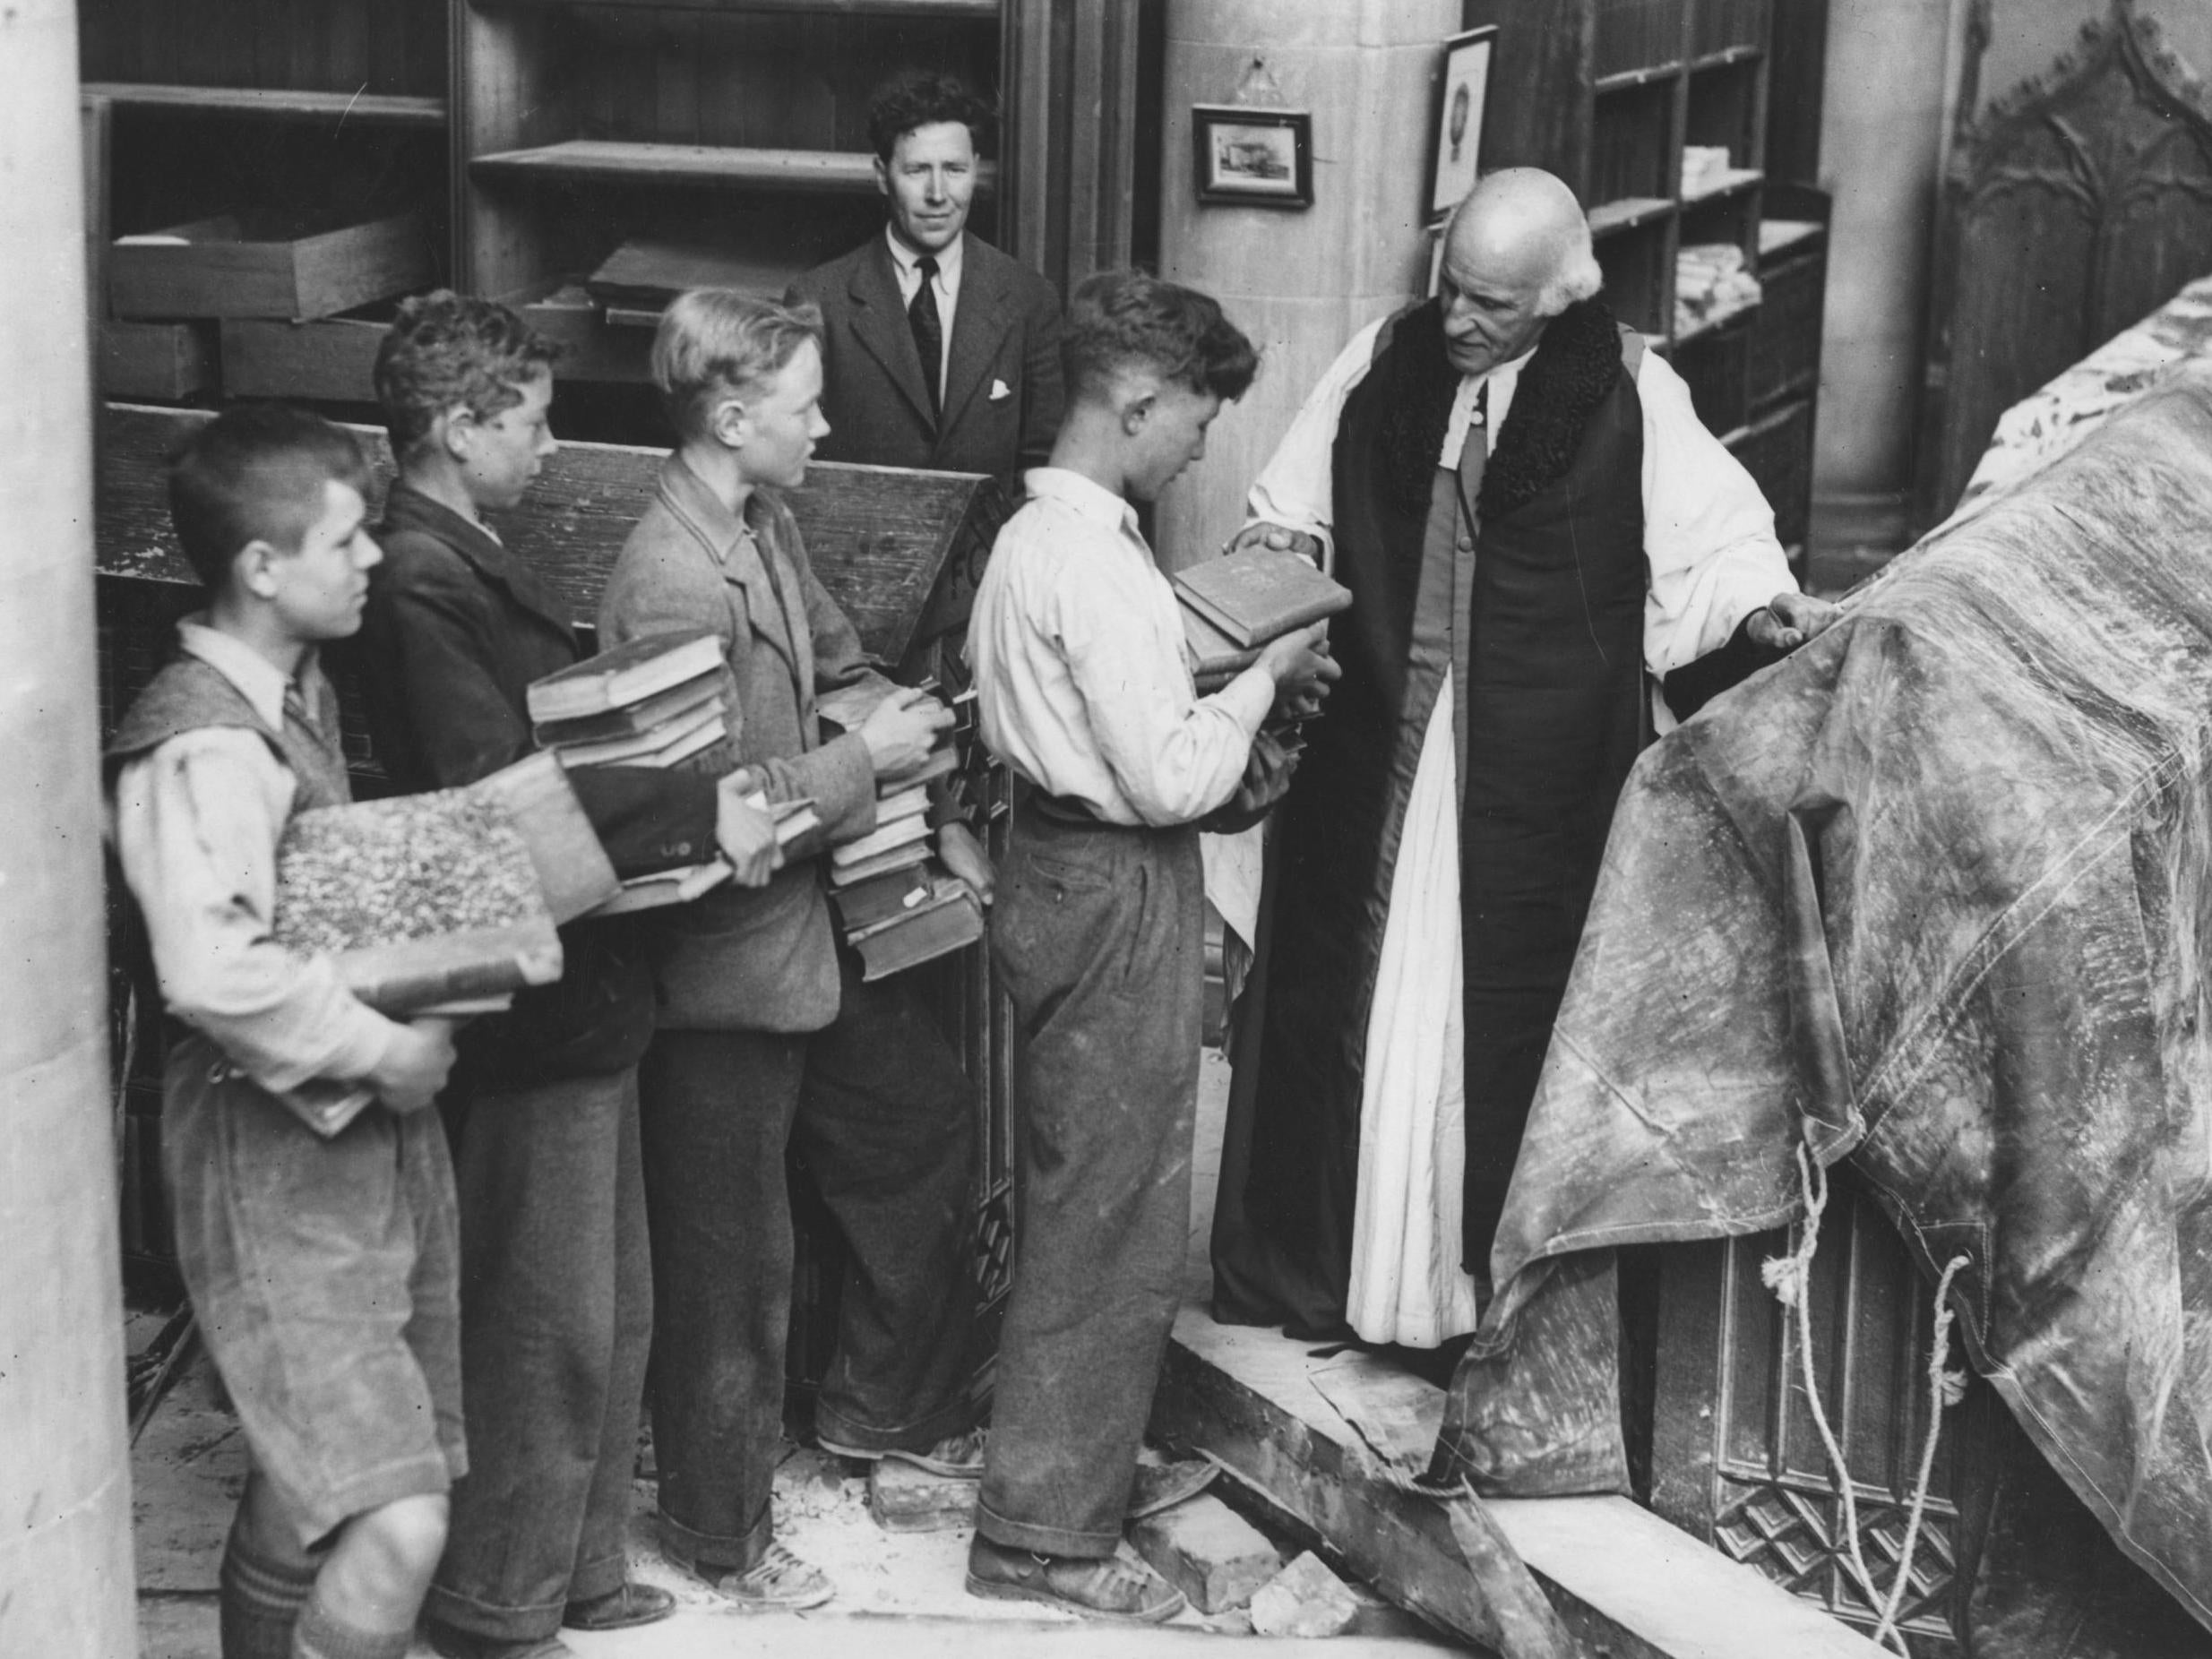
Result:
pixel 906 916
pixel 1232 607
pixel 650 701
pixel 897 905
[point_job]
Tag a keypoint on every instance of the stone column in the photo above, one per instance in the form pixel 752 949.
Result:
pixel 65 1576
pixel 1300 283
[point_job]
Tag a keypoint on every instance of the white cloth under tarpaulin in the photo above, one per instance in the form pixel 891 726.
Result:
pixel 1406 1284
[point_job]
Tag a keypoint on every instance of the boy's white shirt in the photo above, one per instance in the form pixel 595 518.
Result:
pixel 196 825
pixel 1083 681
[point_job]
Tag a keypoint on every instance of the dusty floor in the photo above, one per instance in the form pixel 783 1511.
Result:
pixel 900 1594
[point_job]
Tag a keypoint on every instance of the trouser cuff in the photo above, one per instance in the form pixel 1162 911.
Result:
pixel 920 1435
pixel 709 1555
pixel 1044 1540
pixel 488 1619
pixel 593 1579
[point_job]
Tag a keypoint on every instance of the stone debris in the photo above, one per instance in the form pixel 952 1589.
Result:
pixel 1208 1551
pixel 1305 1599
pixel 904 1499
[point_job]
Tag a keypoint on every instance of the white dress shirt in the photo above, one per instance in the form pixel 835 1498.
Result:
pixel 196 825
pixel 1084 680
pixel 1708 534
pixel 906 264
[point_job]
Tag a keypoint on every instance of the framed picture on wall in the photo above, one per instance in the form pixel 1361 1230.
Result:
pixel 1462 89
pixel 1257 157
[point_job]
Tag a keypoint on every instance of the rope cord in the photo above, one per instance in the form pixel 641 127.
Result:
pixel 1790 1278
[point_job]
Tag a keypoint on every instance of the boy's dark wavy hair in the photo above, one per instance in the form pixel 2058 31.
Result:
pixel 1118 319
pixel 255 473
pixel 923 97
pixel 446 350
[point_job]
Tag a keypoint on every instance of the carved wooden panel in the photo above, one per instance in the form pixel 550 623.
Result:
pixel 1737 1459
pixel 2079 202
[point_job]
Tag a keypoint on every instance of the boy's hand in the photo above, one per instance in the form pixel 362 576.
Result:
pixel 745 832
pixel 901 730
pixel 1279 537
pixel 416 1057
pixel 1301 667
pixel 964 857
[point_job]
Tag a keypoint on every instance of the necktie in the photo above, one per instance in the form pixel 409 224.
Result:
pixel 928 331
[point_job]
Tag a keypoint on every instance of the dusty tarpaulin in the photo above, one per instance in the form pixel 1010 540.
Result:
pixel 1933 896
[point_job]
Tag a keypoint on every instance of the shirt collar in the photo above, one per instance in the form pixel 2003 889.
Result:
pixel 408 508
pixel 259 680
pixel 1085 497
pixel 903 260
pixel 721 528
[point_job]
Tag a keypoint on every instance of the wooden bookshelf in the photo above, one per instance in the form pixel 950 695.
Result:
pixel 1609 94
pixel 276 103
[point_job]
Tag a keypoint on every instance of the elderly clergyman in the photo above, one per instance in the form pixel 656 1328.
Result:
pixel 1536 527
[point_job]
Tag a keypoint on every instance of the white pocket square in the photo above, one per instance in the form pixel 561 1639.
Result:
pixel 1000 390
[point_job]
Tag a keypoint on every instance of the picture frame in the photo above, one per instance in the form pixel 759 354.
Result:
pixel 1252 157
pixel 1462 95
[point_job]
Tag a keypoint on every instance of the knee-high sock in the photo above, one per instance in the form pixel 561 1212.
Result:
pixel 321 1634
pixel 261 1596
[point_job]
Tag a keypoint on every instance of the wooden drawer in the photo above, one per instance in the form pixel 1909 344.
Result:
pixel 225 268
pixel 332 360
pixel 166 362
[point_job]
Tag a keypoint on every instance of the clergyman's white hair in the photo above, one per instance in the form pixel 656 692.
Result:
pixel 1578 277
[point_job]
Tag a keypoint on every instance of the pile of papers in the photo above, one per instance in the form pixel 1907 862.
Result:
pixel 1712 283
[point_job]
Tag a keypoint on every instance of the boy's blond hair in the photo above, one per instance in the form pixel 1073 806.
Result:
pixel 716 343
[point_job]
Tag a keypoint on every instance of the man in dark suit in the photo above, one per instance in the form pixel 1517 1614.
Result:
pixel 940 351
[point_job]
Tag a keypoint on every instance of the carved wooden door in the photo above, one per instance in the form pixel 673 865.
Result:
pixel 2077 204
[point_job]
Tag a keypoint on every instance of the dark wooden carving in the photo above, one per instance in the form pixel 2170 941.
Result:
pixel 1736 1458
pixel 2079 202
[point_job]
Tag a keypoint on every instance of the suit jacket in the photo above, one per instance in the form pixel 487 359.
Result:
pixel 457 627
pixel 1005 332
pixel 741 958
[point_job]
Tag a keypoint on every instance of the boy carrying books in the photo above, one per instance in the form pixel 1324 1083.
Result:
pixel 321 1270
pixel 1085 691
pixel 767 1035
pixel 556 1288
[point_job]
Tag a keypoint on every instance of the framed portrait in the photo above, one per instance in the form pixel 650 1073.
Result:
pixel 1462 89
pixel 1257 157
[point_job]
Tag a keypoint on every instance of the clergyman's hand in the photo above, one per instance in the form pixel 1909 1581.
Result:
pixel 1789 620
pixel 1278 537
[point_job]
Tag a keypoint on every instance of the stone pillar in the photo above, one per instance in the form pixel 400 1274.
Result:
pixel 1300 283
pixel 65 1576
pixel 1883 105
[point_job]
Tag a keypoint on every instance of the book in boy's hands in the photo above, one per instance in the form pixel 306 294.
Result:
pixel 881 864
pixel 574 874
pixel 418 900
pixel 632 718
pixel 882 839
pixel 1215 658
pixel 665 887
pixel 663 745
pixel 908 916
pixel 624 674
pixel 1258 594
pixel 902 799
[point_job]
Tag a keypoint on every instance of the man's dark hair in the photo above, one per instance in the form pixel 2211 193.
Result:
pixel 923 97
pixel 255 473
pixel 449 350
pixel 1120 319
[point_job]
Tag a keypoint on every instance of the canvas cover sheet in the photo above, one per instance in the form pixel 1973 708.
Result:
pixel 1931 896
